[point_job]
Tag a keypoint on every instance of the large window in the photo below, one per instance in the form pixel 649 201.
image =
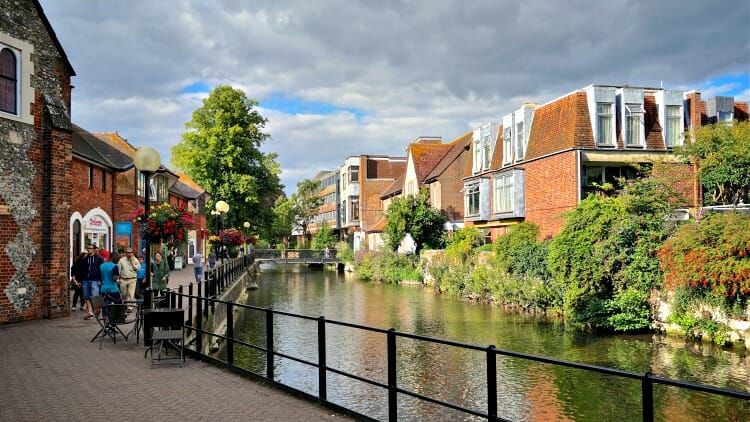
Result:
pixel 604 124
pixel 634 124
pixel 472 200
pixel 504 193
pixel 674 121
pixel 355 210
pixel 8 81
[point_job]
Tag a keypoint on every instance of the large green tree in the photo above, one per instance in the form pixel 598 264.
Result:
pixel 722 153
pixel 220 150
pixel 414 215
pixel 305 203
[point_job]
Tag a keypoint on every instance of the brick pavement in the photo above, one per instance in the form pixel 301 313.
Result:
pixel 52 372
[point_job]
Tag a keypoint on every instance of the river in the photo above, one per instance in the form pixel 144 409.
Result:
pixel 526 390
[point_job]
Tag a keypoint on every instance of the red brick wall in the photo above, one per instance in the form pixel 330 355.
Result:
pixel 451 185
pixel 86 198
pixel 551 189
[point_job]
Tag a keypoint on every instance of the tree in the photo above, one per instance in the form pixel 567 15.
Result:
pixel 722 153
pixel 284 221
pixel 220 151
pixel 305 203
pixel 323 237
pixel 414 215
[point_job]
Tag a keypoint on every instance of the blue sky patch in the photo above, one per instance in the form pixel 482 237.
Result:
pixel 734 84
pixel 197 87
pixel 294 105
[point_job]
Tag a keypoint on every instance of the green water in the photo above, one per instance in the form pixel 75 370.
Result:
pixel 526 390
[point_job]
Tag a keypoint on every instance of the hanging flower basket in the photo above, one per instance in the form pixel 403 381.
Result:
pixel 164 224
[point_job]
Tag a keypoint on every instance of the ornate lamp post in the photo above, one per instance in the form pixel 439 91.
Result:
pixel 222 208
pixel 147 161
pixel 245 245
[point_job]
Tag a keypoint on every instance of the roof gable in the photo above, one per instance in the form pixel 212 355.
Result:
pixel 425 157
pixel 459 146
pixel 91 148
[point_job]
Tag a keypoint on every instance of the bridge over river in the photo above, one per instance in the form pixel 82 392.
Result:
pixel 296 256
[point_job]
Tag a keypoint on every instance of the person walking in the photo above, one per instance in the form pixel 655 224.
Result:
pixel 77 274
pixel 92 279
pixel 198 266
pixel 211 260
pixel 128 267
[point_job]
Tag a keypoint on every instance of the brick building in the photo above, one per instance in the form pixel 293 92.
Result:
pixel 36 165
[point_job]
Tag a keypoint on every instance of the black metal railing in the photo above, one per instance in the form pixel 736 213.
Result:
pixel 391 385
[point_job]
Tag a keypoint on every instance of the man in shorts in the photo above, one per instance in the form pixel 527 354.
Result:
pixel 90 284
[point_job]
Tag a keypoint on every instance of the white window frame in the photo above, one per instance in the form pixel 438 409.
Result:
pixel 507 145
pixel 519 137
pixel 605 133
pixel 633 111
pixel 504 193
pixel 25 93
pixel 470 192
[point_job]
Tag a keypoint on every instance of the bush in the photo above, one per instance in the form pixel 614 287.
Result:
pixel 385 266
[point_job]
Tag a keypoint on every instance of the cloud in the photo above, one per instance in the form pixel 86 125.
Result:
pixel 342 78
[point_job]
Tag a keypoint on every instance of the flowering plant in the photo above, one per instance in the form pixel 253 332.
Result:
pixel 165 223
pixel 232 236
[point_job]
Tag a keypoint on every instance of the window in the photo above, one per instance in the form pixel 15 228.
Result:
pixel 477 155
pixel 519 141
pixel 472 200
pixel 354 172
pixel 8 81
pixel 91 176
pixel 507 151
pixel 604 124
pixel 725 116
pixel 674 120
pixel 504 193
pixel 355 210
pixel 486 150
pixel 634 124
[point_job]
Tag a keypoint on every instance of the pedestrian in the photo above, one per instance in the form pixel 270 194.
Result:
pixel 198 266
pixel 326 253
pixel 211 260
pixel 77 274
pixel 92 279
pixel 170 258
pixel 159 273
pixel 141 282
pixel 110 288
pixel 128 267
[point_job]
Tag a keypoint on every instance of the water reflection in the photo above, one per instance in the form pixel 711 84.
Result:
pixel 526 390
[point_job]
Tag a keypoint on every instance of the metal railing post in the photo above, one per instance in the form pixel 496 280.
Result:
pixel 199 328
pixel 491 383
pixel 647 394
pixel 230 333
pixel 179 290
pixel 269 344
pixel 392 380
pixel 322 393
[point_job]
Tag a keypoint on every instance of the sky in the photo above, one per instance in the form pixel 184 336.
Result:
pixel 342 78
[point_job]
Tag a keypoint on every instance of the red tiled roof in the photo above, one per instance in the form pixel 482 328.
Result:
pixel 458 147
pixel 560 125
pixel 497 156
pixel 426 156
pixel 395 187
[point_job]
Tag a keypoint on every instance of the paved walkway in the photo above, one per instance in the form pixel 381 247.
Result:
pixel 51 371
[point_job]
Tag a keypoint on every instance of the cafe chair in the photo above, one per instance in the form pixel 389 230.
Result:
pixel 163 329
pixel 110 318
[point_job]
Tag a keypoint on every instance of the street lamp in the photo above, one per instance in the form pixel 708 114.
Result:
pixel 246 225
pixel 147 161
pixel 222 207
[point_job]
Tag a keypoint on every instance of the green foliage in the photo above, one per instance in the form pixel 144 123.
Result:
pixel 220 151
pixel 323 237
pixel 284 221
pixel 604 260
pixel 710 261
pixel 463 245
pixel 414 215
pixel 722 153
pixel 519 252
pixel 386 266
pixel 344 252
pixel 305 203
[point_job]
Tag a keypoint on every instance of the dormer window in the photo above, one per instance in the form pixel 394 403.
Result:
pixel 634 135
pixel 519 140
pixel 604 128
pixel 673 126
pixel 507 146
pixel 484 146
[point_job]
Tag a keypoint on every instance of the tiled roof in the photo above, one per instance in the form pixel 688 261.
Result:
pixel 497 155
pixel 394 188
pixel 654 138
pixel 426 156
pixel 118 142
pixel 91 148
pixel 184 178
pixel 560 125
pixel 183 190
pixel 458 147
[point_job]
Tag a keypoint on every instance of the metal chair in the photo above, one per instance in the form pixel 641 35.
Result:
pixel 110 317
pixel 168 331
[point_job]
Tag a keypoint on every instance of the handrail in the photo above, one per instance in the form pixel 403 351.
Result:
pixel 647 379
